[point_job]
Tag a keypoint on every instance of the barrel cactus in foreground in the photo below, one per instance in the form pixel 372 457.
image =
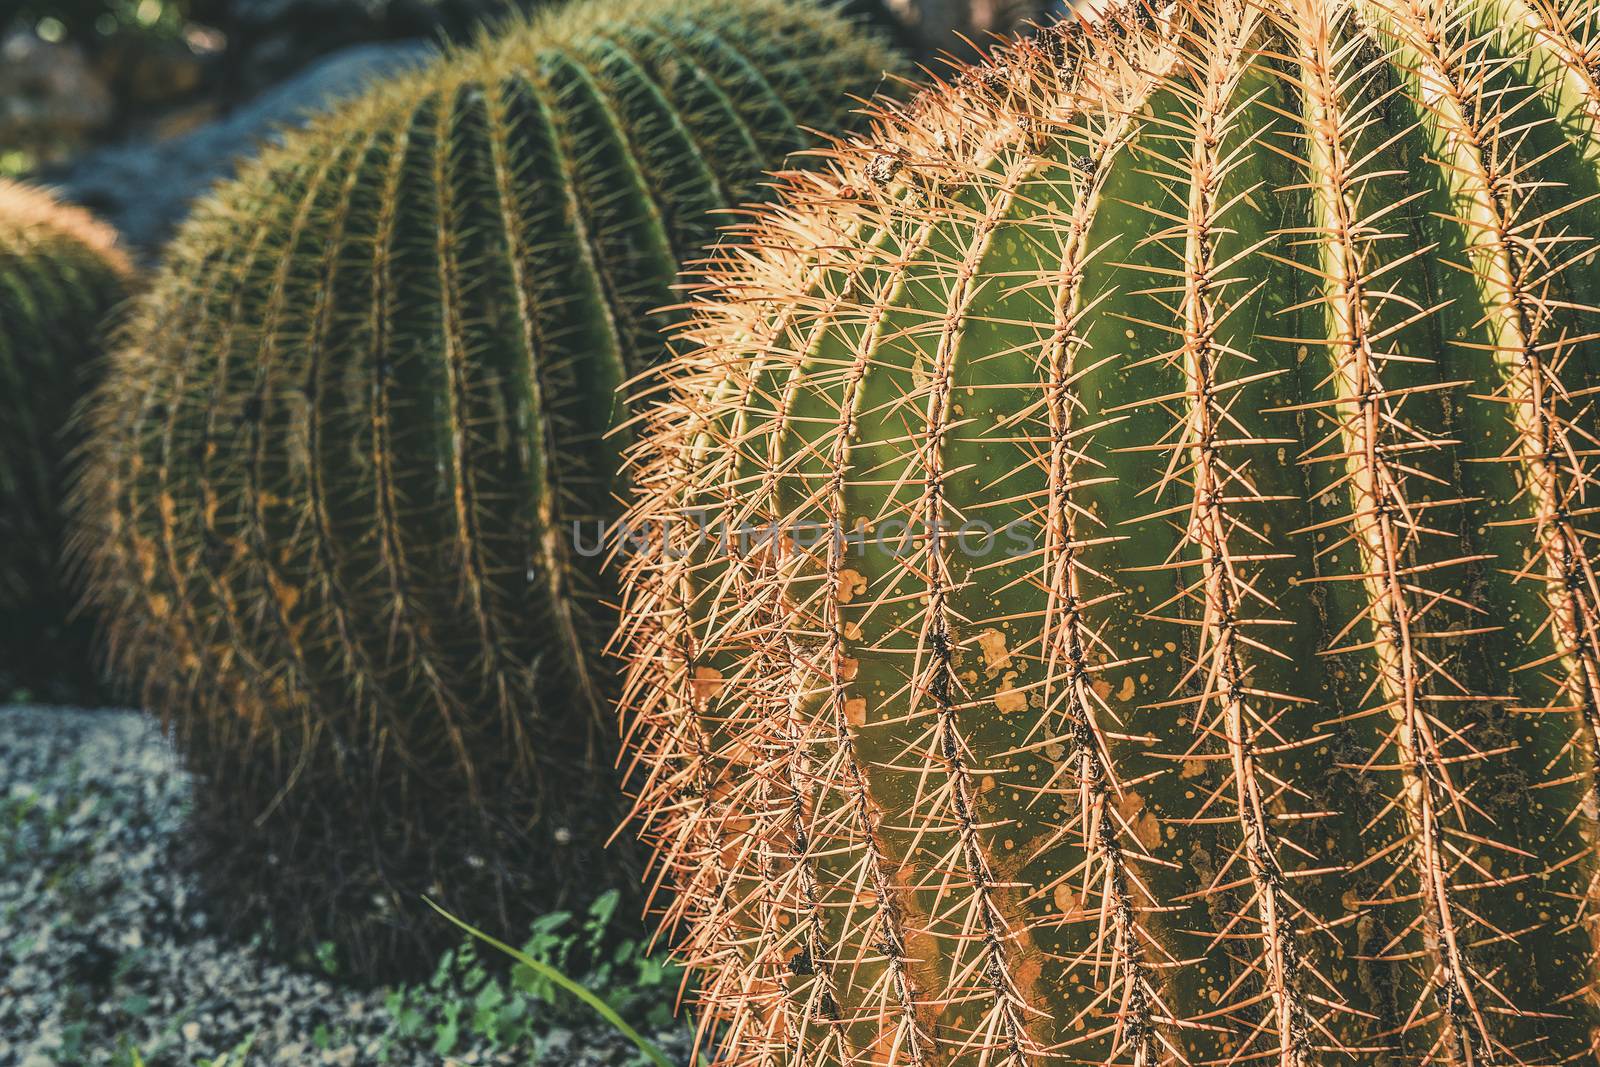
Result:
pixel 60 272
pixel 1118 572
pixel 329 511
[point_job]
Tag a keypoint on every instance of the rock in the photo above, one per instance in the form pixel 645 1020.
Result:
pixel 145 189
pixel 273 38
pixel 99 949
pixel 166 74
pixel 50 99
pixel 964 28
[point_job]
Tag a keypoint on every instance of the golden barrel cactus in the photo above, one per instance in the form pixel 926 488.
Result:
pixel 351 434
pixel 61 271
pixel 1116 571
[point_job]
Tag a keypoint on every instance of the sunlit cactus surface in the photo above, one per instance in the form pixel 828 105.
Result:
pixel 1120 576
pixel 330 511
pixel 60 272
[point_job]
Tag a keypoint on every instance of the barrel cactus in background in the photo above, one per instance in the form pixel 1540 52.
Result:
pixel 341 506
pixel 60 272
pixel 1120 583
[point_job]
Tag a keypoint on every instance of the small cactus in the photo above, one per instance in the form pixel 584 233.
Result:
pixel 60 272
pixel 330 509
pixel 1118 570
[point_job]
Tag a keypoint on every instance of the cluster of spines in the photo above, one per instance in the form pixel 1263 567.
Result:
pixel 347 473
pixel 1334 261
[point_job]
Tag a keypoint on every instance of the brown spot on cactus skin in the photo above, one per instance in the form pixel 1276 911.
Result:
pixel 1066 900
pixel 708 683
pixel 851 585
pixel 1144 824
pixel 1010 699
pixel 996 657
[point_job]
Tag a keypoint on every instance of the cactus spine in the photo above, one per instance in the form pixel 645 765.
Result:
pixel 60 272
pixel 1261 336
pixel 329 511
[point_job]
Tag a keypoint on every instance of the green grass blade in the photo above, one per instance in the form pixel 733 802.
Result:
pixel 606 1011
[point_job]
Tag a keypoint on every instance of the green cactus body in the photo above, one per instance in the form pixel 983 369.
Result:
pixel 331 509
pixel 1123 583
pixel 60 273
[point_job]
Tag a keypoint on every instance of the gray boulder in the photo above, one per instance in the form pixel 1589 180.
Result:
pixel 145 188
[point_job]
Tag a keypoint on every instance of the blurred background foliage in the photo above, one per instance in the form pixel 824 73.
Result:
pixel 79 74
pixel 74 73
pixel 132 108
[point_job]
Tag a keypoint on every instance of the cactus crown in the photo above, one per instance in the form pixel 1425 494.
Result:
pixel 60 271
pixel 329 511
pixel 1120 583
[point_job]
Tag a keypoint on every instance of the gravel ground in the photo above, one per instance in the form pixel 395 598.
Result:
pixel 105 947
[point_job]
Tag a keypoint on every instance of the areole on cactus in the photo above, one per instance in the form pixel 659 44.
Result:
pixel 1118 581
pixel 328 507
